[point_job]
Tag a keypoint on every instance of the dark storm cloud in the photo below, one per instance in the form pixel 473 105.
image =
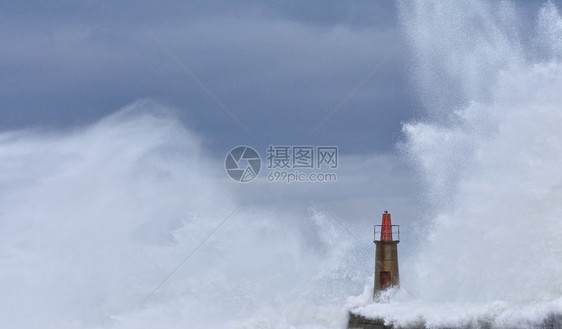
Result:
pixel 280 66
pixel 142 13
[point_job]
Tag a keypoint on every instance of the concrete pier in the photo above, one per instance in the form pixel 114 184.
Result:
pixel 359 322
pixel 356 321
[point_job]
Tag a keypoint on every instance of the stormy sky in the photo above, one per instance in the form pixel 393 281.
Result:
pixel 279 67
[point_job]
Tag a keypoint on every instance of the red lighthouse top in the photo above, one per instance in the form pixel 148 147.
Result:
pixel 386 230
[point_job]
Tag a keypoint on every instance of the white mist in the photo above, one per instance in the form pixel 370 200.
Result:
pixel 491 154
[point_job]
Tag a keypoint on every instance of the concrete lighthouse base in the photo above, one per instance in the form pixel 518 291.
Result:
pixel 360 322
pixel 356 321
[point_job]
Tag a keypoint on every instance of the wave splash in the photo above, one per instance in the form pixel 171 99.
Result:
pixel 490 152
pixel 92 220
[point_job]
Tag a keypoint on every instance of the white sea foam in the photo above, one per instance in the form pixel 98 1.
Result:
pixel 491 154
pixel 93 219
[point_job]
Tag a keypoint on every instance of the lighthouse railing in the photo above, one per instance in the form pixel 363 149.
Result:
pixel 395 229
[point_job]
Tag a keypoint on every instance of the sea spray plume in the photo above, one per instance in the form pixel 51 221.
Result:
pixel 83 213
pixel 457 49
pixel 500 181
pixel 550 32
pixel 492 166
pixel 92 219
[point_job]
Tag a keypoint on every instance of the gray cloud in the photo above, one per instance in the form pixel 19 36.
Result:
pixel 280 67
